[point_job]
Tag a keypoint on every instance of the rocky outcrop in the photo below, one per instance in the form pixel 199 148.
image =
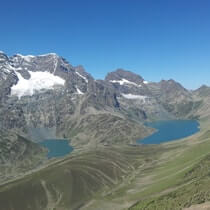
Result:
pixel 18 155
pixel 62 109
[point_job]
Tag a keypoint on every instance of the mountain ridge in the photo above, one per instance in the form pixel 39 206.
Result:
pixel 101 119
pixel 74 91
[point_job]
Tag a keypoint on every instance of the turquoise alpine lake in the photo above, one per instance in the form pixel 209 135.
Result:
pixel 57 147
pixel 170 130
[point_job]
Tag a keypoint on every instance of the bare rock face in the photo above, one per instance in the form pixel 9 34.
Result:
pixel 119 74
pixel 127 82
pixel 18 155
pixel 67 94
pixel 3 57
pixel 203 91
pixel 173 97
pixel 14 147
pixel 48 93
pixel 162 100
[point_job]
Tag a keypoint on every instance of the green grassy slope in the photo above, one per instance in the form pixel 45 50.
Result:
pixel 194 189
pixel 168 176
pixel 70 183
pixel 182 180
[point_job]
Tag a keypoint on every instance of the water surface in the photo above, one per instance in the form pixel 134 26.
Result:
pixel 57 147
pixel 170 130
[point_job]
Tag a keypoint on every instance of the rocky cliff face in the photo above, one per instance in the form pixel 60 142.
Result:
pixel 127 82
pixel 18 155
pixel 173 97
pixel 42 96
pixel 45 94
pixel 145 100
pixel 202 98
pixel 46 97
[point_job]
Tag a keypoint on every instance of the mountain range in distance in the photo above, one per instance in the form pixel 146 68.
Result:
pixel 45 97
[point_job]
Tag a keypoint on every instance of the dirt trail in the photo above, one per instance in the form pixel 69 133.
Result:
pixel 204 206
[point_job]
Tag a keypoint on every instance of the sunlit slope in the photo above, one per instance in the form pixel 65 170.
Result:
pixel 192 189
pixel 119 177
pixel 70 183
pixel 181 165
pixel 18 155
pixel 182 181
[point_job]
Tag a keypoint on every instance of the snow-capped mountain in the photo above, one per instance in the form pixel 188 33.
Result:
pixel 38 73
pixel 47 93
pixel 127 82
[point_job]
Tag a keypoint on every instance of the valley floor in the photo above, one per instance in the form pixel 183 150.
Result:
pixel 174 175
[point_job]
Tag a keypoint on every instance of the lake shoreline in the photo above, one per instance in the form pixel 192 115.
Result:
pixel 170 130
pixel 57 148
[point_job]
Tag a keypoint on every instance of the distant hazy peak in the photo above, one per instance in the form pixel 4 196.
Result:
pixel 204 90
pixel 203 87
pixel 171 83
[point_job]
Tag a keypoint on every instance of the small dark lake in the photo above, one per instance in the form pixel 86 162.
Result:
pixel 56 147
pixel 170 130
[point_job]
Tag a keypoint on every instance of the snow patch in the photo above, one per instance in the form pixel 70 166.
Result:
pixel 125 82
pixel 131 96
pixel 38 81
pixel 9 67
pixel 27 58
pixel 145 82
pixel 82 77
pixel 79 91
pixel 5 70
pixel 53 54
pixel 55 63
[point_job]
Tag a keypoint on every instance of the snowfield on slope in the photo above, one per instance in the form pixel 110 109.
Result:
pixel 125 82
pixel 131 96
pixel 37 82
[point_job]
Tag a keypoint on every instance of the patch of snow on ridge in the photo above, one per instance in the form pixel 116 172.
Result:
pixel 79 91
pixel 82 77
pixel 37 82
pixel 26 57
pixel 9 68
pixel 29 57
pixel 145 82
pixel 131 96
pixel 124 82
pixel 55 63
pixel 43 55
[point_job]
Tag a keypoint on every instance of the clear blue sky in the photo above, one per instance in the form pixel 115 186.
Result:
pixel 158 39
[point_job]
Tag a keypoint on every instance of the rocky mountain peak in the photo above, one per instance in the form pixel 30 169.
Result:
pixel 204 90
pixel 171 85
pixel 126 82
pixel 48 62
pixel 45 91
pixel 80 71
pixel 122 76
pixel 203 87
pixel 3 57
pixel 41 72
